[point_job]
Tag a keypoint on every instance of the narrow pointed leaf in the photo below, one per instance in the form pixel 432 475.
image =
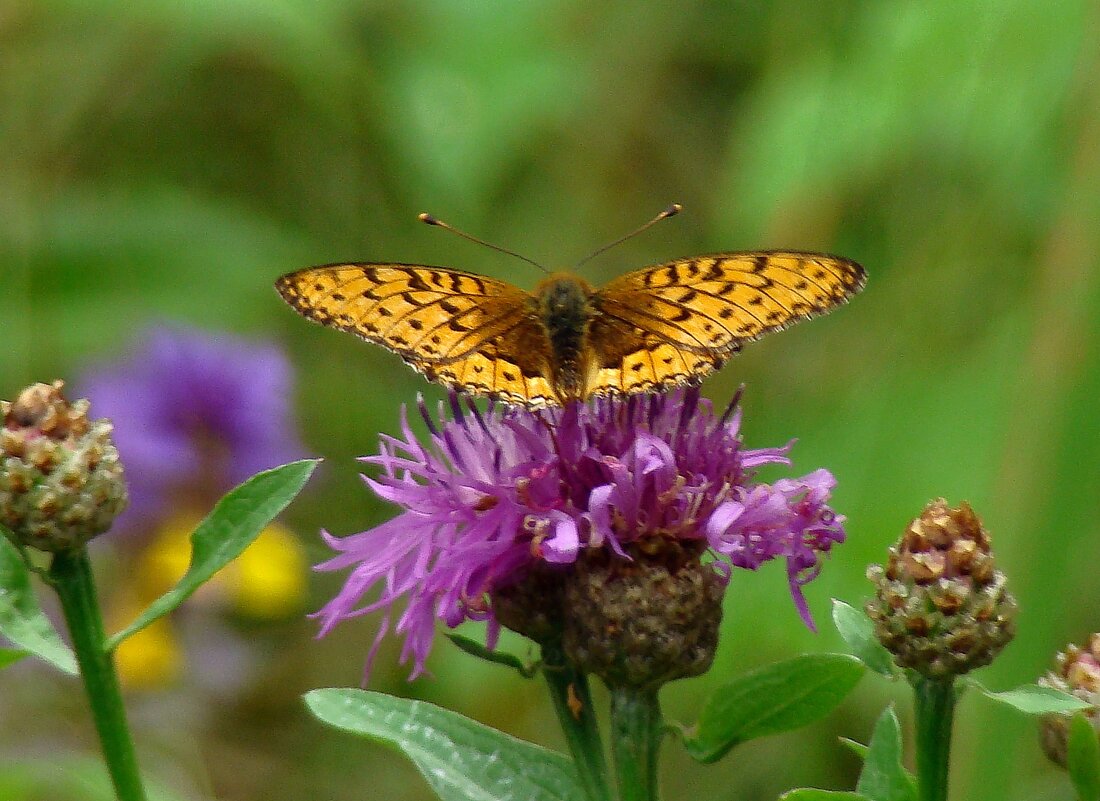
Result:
pixel 856 747
pixel 475 648
pixel 21 618
pixel 232 526
pixel 772 699
pixel 859 633
pixel 1083 758
pixel 1033 699
pixel 884 778
pixel 461 759
pixel 813 794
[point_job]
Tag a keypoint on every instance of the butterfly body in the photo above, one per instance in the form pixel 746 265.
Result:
pixel 564 308
pixel 647 330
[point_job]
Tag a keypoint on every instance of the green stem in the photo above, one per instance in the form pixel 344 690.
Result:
pixel 636 731
pixel 71 576
pixel 935 710
pixel 577 716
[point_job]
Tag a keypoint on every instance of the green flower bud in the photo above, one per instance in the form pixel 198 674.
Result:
pixel 940 606
pixel 1077 673
pixel 60 476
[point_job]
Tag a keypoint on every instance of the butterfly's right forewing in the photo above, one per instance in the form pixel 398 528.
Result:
pixel 425 313
pixel 468 331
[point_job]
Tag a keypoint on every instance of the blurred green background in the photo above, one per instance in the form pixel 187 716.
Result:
pixel 169 160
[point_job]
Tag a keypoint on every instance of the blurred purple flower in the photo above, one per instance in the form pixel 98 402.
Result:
pixel 490 495
pixel 195 413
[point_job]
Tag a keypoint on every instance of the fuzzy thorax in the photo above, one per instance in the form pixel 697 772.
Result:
pixel 564 310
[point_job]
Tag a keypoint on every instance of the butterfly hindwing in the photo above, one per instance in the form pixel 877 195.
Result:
pixel 513 367
pixel 712 304
pixel 625 358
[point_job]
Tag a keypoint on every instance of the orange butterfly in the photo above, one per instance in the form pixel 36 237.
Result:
pixel 648 330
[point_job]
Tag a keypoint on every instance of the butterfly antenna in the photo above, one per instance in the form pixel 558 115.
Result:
pixel 671 211
pixel 430 220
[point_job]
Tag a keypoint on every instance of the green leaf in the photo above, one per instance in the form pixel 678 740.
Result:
pixel 460 758
pixel 9 656
pixel 859 633
pixel 772 699
pixel 856 747
pixel 236 521
pixel 474 648
pixel 884 778
pixel 1083 758
pixel 1032 699
pixel 813 794
pixel 21 618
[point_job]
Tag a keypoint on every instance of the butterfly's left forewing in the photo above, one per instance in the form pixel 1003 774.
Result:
pixel 713 304
pixel 677 322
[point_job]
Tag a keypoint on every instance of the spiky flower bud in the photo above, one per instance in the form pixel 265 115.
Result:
pixel 1077 673
pixel 60 476
pixel 645 621
pixel 940 605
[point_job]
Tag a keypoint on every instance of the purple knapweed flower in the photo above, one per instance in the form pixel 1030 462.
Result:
pixel 194 414
pixel 489 496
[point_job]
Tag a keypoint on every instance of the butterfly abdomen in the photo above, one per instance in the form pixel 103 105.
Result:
pixel 565 311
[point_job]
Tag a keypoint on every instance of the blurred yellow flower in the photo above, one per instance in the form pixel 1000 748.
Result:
pixel 151 658
pixel 267 582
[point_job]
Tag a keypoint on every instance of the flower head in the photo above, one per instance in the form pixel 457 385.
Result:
pixel 490 499
pixel 60 477
pixel 941 607
pixel 195 413
pixel 1077 673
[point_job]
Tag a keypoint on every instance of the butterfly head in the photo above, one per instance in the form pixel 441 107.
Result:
pixel 561 292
